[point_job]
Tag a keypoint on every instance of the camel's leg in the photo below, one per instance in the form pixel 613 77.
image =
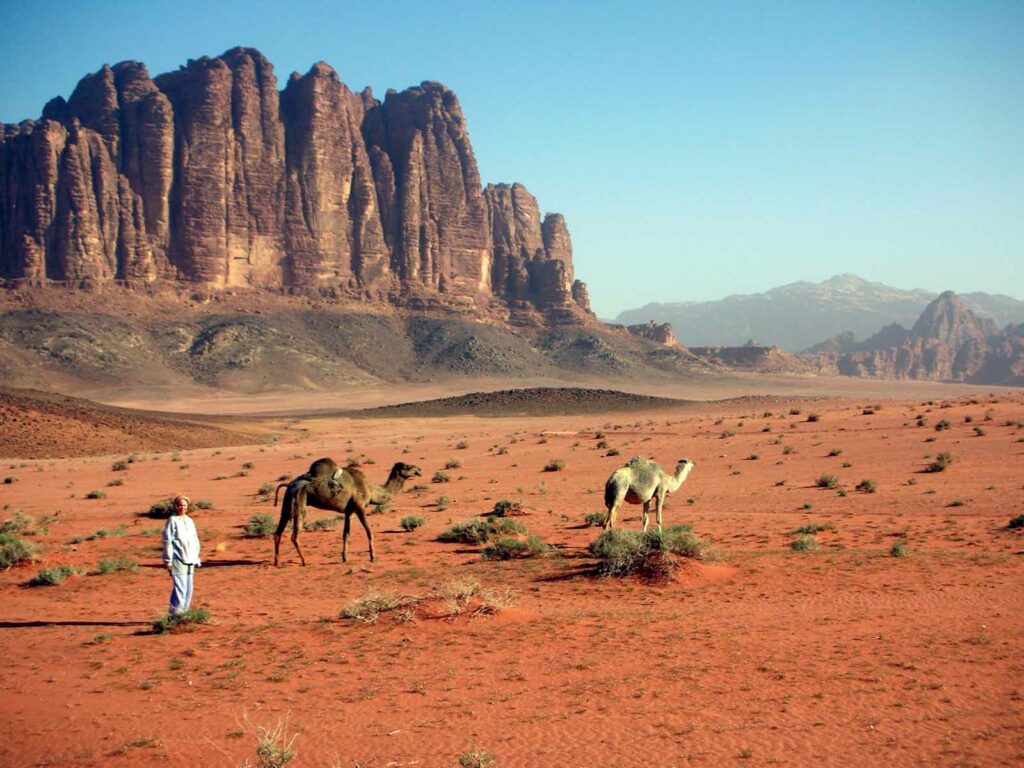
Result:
pixel 647 507
pixel 282 523
pixel 344 536
pixel 613 508
pixel 661 504
pixel 296 527
pixel 361 514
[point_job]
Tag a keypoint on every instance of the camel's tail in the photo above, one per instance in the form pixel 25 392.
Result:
pixel 278 490
pixel 611 489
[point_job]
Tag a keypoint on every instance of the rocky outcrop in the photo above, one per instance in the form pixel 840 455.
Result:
pixel 753 358
pixel 211 175
pixel 947 343
pixel 661 333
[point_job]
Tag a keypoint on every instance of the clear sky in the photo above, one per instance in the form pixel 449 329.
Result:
pixel 697 149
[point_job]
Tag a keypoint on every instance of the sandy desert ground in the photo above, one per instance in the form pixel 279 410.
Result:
pixel 843 654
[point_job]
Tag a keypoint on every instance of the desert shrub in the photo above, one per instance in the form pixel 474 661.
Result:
pixel 185 620
pixel 10 480
pixel 753 457
pixel 794 411
pixel 727 434
pixel 979 431
pixel 803 544
pixel 944 424
pixel 96 495
pixel 275 747
pixel 812 528
pixel 18 523
pixel 602 444
pixel 898 549
pixel 412 522
pixel 788 449
pixel 266 489
pixel 48 577
pixel 500 450
pixel 555 465
pixel 441 477
pixel 461 445
pixel 452 464
pixel 941 461
pixel 367 609
pixel 114 564
pixel 321 524
pixel 160 509
pixel 248 465
pixel 259 526
pixel 117 481
pixel 505 525
pixel 506 507
pixel 469 532
pixel 868 486
pixel 813 417
pixel 477 758
pixel 508 548
pixel 442 503
pixel 612 452
pixel 1016 522
pixel 808 505
pixel 119 466
pixel 202 504
pixel 15 550
pixel 595 518
pixel 957 503
pixel 650 555
pixel 835 452
pixel 827 481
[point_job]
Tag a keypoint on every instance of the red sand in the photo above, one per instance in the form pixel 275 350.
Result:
pixel 844 655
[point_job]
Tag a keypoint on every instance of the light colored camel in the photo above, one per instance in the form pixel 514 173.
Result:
pixel 640 481
pixel 347 491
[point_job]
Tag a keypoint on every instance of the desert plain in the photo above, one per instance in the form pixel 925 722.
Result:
pixel 892 636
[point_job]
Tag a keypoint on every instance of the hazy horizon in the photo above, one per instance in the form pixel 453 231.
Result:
pixel 726 149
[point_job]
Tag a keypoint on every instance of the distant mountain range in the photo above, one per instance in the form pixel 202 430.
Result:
pixel 799 315
pixel 948 342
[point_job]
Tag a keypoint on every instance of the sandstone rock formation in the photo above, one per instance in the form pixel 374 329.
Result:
pixel 661 333
pixel 213 176
pixel 947 343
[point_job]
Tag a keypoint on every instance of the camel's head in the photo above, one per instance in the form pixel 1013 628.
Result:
pixel 686 461
pixel 405 471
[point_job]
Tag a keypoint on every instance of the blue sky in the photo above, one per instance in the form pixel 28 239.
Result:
pixel 696 149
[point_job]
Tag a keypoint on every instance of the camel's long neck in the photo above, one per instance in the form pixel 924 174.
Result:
pixel 388 491
pixel 682 470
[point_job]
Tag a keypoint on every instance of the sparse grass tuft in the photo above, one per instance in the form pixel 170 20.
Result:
pixel 412 522
pixel 555 465
pixel 477 758
pixel 652 555
pixel 942 425
pixel 812 528
pixel 369 608
pixel 186 620
pixel 48 577
pixel 835 452
pixel 942 460
pixel 321 524
pixel 506 507
pixel 96 495
pixel 275 748
pixel 469 532
pixel 898 549
pixel 15 550
pixel 1016 522
pixel 112 565
pixel 868 486
pixel 259 526
pixel 452 464
pixel 827 481
pixel 508 548
pixel 803 544
pixel 595 518
pixel 441 477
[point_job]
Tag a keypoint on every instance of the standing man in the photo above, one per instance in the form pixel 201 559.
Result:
pixel 181 555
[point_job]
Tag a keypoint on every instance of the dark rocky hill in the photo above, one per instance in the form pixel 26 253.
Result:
pixel 213 176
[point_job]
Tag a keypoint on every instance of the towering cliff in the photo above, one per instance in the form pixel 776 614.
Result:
pixel 211 175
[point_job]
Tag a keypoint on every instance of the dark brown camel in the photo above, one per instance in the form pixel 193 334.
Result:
pixel 328 486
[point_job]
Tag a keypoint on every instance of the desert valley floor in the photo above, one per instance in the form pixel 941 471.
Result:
pixel 843 653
